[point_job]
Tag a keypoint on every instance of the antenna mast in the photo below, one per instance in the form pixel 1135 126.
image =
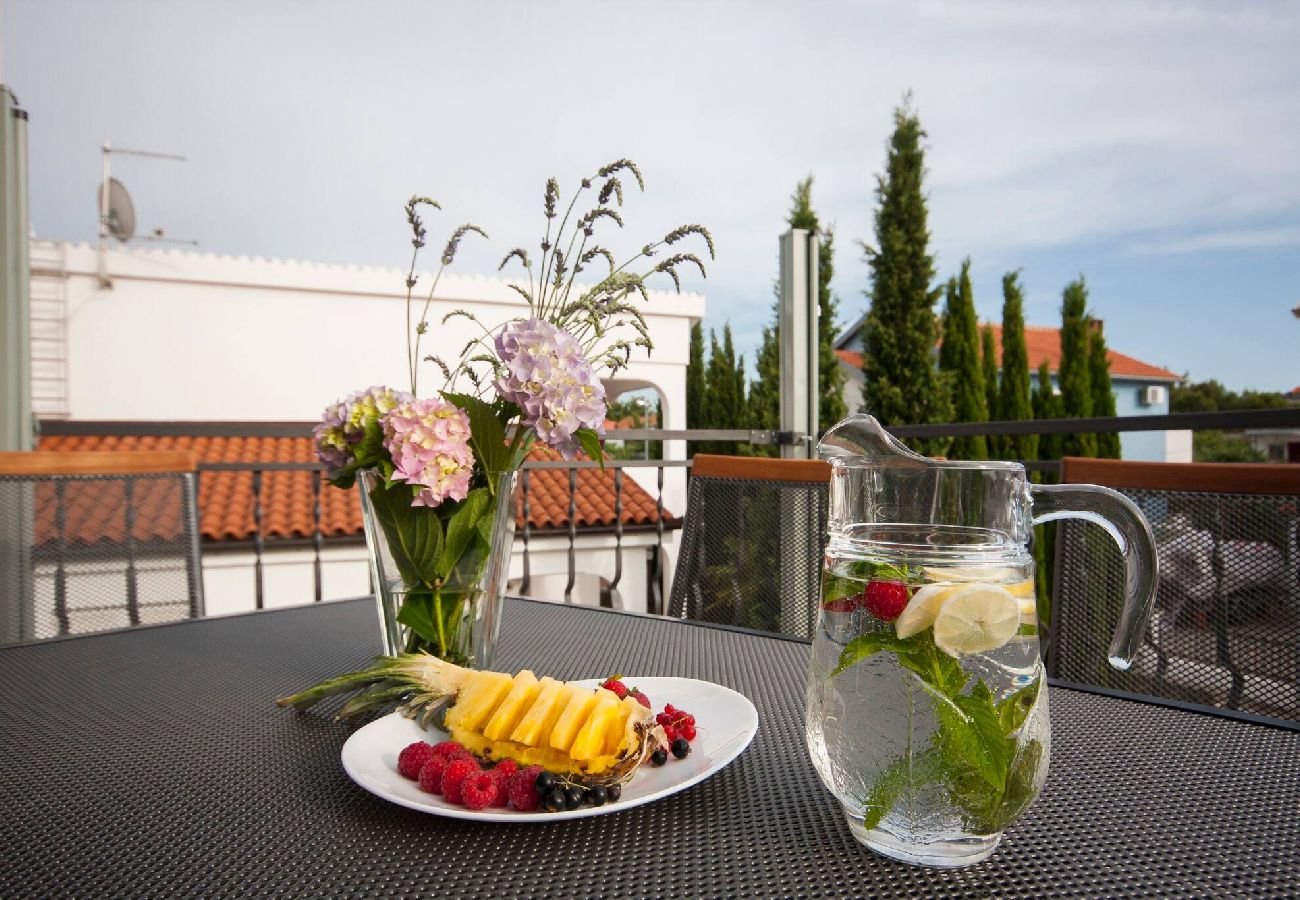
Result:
pixel 105 217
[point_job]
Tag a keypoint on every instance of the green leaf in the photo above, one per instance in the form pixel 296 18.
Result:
pixel 484 528
pixel 487 433
pixel 417 614
pixel 1014 709
pixel 835 587
pixel 461 528
pixel 868 645
pixel 414 533
pixel 591 444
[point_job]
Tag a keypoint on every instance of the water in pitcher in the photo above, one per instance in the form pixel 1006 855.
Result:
pixel 926 704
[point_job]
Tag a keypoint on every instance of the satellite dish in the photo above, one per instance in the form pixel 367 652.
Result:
pixel 118 210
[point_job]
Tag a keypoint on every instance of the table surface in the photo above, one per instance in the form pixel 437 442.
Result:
pixel 154 763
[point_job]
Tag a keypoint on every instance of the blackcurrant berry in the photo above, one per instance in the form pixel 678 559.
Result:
pixel 598 796
pixel 659 757
pixel 681 747
pixel 554 800
pixel 573 798
pixel 613 792
pixel 545 781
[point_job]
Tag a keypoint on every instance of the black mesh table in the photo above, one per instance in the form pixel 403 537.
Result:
pixel 153 763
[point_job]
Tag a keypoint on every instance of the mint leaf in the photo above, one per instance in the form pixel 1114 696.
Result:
pixel 868 645
pixel 835 587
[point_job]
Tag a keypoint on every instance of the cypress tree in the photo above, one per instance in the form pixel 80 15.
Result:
pixel 1014 403
pixel 725 400
pixel 1047 405
pixel 830 380
pixel 1076 380
pixel 989 359
pixel 765 391
pixel 696 387
pixel 959 356
pixel 901 383
pixel 1103 399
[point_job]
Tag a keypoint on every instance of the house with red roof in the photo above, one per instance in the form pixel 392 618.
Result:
pixel 1140 388
pixel 144 349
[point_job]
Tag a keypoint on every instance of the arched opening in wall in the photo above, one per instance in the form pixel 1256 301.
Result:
pixel 633 404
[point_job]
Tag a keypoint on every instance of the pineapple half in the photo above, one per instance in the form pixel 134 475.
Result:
pixel 586 734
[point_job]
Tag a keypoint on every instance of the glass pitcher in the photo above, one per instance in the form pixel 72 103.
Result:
pixel 926 701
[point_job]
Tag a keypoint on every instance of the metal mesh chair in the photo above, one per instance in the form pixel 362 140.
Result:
pixel 752 542
pixel 91 541
pixel 1225 630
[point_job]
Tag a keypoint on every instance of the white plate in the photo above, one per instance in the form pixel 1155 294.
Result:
pixel 726 723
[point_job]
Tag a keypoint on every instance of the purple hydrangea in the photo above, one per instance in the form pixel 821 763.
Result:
pixel 545 373
pixel 428 441
pixel 343 424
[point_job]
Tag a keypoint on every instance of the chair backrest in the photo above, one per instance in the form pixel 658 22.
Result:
pixel 1225 630
pixel 750 551
pixel 96 540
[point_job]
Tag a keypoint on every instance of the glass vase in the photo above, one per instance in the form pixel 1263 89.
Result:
pixel 456 617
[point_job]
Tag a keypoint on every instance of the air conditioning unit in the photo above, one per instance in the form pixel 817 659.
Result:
pixel 1152 395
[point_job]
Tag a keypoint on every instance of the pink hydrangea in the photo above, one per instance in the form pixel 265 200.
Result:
pixel 428 441
pixel 343 424
pixel 545 373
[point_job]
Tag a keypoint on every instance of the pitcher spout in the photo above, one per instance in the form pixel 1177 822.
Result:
pixel 861 440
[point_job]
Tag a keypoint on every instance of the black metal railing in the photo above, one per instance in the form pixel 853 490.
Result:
pixel 260 543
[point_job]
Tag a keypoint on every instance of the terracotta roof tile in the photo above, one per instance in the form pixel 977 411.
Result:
pixel 1045 343
pixel 226 498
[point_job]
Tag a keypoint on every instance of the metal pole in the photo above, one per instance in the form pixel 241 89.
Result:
pixel 16 431
pixel 798 351
pixel 797 323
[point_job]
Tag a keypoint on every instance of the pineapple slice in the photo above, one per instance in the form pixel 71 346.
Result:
pixel 604 715
pixel 523 691
pixel 534 729
pixel 575 714
pixel 585 734
pixel 479 698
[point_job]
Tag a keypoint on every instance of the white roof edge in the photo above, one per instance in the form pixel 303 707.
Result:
pixel 158 264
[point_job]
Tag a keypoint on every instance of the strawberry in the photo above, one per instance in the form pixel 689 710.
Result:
pixel 886 599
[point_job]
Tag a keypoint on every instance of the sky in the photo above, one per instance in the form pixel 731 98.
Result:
pixel 1152 147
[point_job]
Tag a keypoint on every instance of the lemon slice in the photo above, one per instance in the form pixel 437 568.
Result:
pixel 1021 588
pixel 1028 610
pixel 920 611
pixel 965 574
pixel 976 618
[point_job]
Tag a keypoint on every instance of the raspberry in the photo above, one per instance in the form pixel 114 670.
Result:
pixel 523 789
pixel 431 774
pixel 842 604
pixel 616 685
pixel 479 790
pixel 886 599
pixel 640 698
pixel 449 749
pixel 506 767
pixel 453 777
pixel 412 759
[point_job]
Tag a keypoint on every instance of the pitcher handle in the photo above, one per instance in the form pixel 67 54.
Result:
pixel 1125 523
